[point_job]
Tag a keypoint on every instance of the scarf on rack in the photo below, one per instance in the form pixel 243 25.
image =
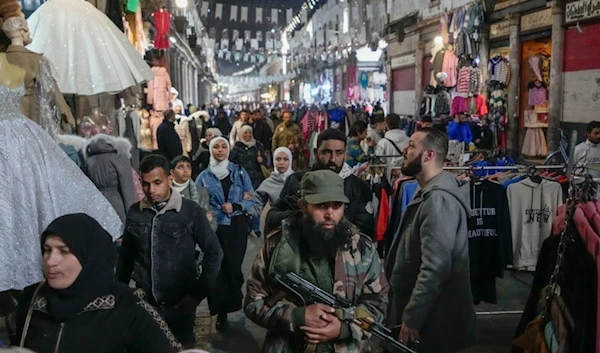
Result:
pixel 96 252
pixel 219 168
pixel 240 136
pixel 180 187
pixel 289 171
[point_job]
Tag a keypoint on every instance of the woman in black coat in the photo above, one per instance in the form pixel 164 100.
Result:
pixel 249 154
pixel 79 308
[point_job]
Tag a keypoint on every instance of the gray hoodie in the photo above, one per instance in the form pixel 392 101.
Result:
pixel 428 267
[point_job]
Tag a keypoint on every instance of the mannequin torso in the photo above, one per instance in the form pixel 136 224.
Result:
pixel 11 76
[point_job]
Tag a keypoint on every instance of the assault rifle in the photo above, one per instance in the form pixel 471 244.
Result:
pixel 308 293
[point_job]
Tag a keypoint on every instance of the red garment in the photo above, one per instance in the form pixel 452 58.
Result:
pixel 162 22
pixel 383 215
pixel 587 220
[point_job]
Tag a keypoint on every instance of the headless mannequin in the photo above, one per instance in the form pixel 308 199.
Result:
pixel 11 76
pixel 17 30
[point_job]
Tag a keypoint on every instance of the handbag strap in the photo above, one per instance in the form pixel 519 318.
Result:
pixel 393 144
pixel 29 315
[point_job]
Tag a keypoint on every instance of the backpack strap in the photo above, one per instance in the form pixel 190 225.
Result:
pixel 393 144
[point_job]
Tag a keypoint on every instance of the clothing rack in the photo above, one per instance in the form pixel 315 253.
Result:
pixel 508 167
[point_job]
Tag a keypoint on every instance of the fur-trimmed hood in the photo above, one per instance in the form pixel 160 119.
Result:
pixel 74 141
pixel 201 114
pixel 102 143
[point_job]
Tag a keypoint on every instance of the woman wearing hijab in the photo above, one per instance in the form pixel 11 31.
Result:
pixel 248 154
pixel 79 307
pixel 203 154
pixel 227 184
pixel 270 189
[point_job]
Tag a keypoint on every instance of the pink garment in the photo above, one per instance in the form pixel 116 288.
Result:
pixel 464 81
pixel 155 120
pixel 159 89
pixel 534 63
pixel 140 36
pixel 459 105
pixel 450 67
pixel 587 221
pixel 537 94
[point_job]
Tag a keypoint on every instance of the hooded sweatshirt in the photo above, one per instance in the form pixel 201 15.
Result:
pixel 428 267
pixel 532 210
pixel 393 144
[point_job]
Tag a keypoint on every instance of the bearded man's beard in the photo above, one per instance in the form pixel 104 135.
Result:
pixel 324 242
pixel 413 167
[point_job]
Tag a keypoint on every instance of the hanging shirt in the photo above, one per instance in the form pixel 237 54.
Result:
pixel 490 241
pixel 532 209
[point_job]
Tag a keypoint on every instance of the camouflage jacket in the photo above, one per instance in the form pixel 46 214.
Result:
pixel 358 277
pixel 283 136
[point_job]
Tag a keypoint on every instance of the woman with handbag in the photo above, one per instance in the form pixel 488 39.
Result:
pixel 228 185
pixel 79 307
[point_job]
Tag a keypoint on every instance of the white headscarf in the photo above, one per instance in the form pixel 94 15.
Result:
pixel 289 171
pixel 219 169
pixel 240 136
pixel 214 131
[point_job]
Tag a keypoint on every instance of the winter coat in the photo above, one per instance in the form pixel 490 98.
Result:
pixel 386 148
pixel 108 166
pixel 119 322
pixel 158 251
pixel 169 143
pixel 460 132
pixel 358 211
pixel 159 89
pixel 240 183
pixel 263 133
pixel 283 135
pixel 357 277
pixel 428 268
pixel 246 157
pixel 185 136
pixel 71 145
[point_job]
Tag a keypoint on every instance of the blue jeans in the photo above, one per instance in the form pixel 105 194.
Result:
pixel 180 323
pixel 255 224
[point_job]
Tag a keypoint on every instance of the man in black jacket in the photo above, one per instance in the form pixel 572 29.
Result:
pixel 169 143
pixel 330 154
pixel 159 243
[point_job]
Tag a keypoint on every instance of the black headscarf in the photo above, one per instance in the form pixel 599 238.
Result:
pixel 96 252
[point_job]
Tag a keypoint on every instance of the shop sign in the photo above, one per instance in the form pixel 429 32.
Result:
pixel 582 10
pixel 536 20
pixel 402 61
pixel 499 29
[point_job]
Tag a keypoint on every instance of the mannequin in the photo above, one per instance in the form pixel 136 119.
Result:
pixel 17 30
pixel 145 131
pixel 12 76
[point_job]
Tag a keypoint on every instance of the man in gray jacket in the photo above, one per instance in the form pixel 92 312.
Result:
pixel 428 262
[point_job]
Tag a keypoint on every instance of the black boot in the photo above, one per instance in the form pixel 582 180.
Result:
pixel 222 322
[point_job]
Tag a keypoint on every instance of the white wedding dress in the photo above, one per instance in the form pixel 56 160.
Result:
pixel 38 183
pixel 89 54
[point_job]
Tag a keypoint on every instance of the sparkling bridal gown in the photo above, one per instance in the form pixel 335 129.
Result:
pixel 38 183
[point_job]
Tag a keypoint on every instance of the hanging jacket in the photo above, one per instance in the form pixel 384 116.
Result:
pixel 460 132
pixel 108 166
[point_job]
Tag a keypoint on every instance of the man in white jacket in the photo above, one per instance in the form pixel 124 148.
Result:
pixel 394 142
pixel 237 126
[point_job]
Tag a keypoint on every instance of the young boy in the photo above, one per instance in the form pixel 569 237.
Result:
pixel 181 170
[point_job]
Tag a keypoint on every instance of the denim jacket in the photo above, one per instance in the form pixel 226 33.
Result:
pixel 240 183
pixel 159 250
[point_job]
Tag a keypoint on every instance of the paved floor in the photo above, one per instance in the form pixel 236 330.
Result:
pixel 495 331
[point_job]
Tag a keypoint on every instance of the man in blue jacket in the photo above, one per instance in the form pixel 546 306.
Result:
pixel 459 129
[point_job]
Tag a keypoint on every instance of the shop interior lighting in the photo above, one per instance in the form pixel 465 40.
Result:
pixel 182 4
pixel 438 40
pixel 173 40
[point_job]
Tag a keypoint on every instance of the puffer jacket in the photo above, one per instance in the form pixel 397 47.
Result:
pixel 108 166
pixel 118 322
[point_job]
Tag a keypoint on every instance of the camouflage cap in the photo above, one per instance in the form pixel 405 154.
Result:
pixel 322 186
